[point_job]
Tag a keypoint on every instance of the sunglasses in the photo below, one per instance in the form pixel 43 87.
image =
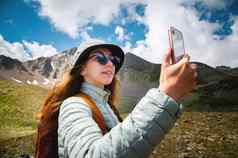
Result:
pixel 103 58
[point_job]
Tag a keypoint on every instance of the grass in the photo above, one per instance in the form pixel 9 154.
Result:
pixel 19 104
pixel 201 135
pixel 196 134
pixel 15 146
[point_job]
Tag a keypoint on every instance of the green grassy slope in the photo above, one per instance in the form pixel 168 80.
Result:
pixel 18 104
pixel 196 134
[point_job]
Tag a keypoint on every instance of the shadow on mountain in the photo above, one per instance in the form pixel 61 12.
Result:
pixel 216 90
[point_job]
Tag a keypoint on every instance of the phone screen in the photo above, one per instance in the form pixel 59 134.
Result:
pixel 177 44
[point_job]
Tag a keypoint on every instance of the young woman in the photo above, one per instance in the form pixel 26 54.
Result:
pixel 68 127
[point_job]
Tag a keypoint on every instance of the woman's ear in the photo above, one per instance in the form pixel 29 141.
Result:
pixel 83 71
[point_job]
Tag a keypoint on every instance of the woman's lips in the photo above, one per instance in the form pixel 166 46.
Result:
pixel 109 72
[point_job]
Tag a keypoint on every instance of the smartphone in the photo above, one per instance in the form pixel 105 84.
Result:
pixel 176 43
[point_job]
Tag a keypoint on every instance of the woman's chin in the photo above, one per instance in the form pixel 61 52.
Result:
pixel 107 81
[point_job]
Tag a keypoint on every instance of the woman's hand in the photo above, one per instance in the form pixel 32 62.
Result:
pixel 177 80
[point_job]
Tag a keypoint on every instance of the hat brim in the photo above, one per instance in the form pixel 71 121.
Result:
pixel 114 49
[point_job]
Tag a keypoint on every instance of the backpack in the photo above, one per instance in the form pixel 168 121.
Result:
pixel 47 136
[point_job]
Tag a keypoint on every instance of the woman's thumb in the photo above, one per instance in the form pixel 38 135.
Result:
pixel 182 62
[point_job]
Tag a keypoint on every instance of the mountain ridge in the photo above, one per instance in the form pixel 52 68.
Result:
pixel 136 75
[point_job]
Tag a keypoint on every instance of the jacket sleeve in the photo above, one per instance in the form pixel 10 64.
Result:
pixel 136 136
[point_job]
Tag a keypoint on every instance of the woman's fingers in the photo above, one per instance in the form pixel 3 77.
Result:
pixel 194 70
pixel 187 56
pixel 193 67
pixel 177 79
pixel 167 58
pixel 182 64
pixel 193 75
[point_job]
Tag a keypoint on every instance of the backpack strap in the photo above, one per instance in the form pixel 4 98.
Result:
pixel 47 136
pixel 97 115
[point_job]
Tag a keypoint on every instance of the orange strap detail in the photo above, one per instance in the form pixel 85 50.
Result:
pixel 97 115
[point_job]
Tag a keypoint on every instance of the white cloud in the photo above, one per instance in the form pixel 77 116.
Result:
pixel 85 36
pixel 200 42
pixel 119 32
pixel 25 50
pixel 196 33
pixel 219 4
pixel 121 36
pixel 73 15
pixel 133 15
pixel 38 50
pixel 14 50
pixel 234 36
pixel 212 4
pixel 226 51
pixel 127 47
pixel 143 50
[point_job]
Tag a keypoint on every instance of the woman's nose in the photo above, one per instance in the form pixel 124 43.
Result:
pixel 110 63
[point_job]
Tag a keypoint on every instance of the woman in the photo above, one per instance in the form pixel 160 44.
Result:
pixel 67 123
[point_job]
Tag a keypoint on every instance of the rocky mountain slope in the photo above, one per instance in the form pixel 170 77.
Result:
pixel 43 71
pixel 215 85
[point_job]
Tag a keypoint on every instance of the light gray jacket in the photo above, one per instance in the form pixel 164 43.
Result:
pixel 79 136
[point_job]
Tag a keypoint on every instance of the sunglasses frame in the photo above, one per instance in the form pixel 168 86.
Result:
pixel 103 59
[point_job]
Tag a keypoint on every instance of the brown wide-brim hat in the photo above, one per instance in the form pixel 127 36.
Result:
pixel 81 58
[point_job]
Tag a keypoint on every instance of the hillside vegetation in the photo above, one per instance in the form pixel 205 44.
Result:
pixel 196 134
pixel 18 106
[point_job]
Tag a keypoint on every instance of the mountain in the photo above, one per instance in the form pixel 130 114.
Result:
pixel 220 95
pixel 226 69
pixel 136 75
pixel 43 71
pixel 11 68
pixel 207 74
pixel 41 66
pixel 8 63
pixel 216 90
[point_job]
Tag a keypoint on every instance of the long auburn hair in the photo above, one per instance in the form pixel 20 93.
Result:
pixel 47 136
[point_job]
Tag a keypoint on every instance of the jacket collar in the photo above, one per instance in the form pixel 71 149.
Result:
pixel 95 92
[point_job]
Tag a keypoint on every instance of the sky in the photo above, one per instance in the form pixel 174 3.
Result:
pixel 33 28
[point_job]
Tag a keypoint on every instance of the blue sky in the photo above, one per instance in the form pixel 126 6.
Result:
pixel 22 22
pixel 33 28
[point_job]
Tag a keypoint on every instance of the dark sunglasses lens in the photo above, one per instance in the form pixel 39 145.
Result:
pixel 115 60
pixel 102 59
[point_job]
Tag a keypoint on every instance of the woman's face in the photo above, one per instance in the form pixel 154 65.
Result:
pixel 97 73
